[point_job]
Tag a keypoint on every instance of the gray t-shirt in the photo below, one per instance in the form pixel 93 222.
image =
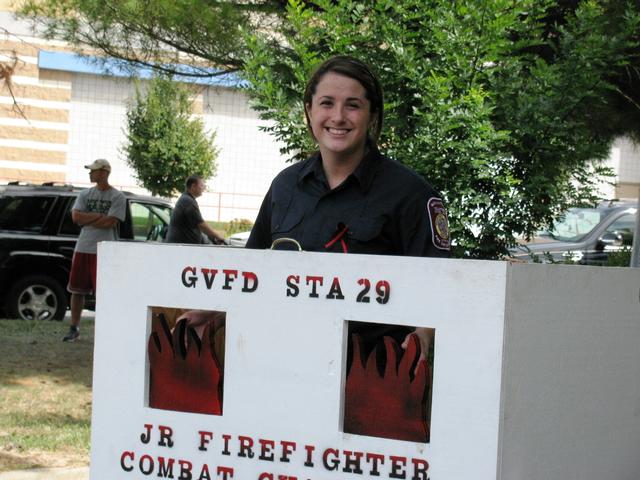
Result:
pixel 110 202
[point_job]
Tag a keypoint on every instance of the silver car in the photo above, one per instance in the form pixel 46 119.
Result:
pixel 586 236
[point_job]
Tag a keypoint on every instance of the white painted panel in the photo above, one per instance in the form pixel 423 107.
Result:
pixel 572 374
pixel 550 390
pixel 284 357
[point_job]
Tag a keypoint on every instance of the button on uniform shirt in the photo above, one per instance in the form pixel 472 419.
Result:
pixel 381 208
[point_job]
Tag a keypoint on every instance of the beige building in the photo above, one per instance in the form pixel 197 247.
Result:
pixel 58 112
pixel 625 161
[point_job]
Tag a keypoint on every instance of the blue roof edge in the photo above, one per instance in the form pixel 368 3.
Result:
pixel 73 62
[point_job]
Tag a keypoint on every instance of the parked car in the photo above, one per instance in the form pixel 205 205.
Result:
pixel 238 239
pixel 37 238
pixel 586 236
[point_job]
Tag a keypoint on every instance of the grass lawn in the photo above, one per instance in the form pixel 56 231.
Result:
pixel 45 395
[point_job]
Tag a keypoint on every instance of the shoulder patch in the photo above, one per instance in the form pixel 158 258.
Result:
pixel 439 224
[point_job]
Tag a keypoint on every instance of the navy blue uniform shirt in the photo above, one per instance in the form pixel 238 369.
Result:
pixel 381 208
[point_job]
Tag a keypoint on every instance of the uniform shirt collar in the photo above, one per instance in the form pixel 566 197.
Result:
pixel 367 170
pixel 364 173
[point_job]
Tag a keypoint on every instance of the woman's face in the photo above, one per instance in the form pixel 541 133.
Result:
pixel 339 115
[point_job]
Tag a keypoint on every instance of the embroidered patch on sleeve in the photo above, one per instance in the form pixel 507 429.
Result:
pixel 439 224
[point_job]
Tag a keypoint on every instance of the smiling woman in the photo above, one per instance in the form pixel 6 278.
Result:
pixel 339 116
pixel 348 197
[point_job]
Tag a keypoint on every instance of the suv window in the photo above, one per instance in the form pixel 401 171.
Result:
pixel 67 227
pixel 25 214
pixel 148 220
pixel 624 227
pixel 575 224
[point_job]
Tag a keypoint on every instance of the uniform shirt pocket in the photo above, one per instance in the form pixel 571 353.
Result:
pixel 366 235
pixel 285 222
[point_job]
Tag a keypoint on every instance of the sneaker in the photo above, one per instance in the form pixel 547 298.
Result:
pixel 72 336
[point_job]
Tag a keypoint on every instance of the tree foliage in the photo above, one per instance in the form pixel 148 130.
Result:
pixel 164 144
pixel 504 105
pixel 162 34
pixel 495 106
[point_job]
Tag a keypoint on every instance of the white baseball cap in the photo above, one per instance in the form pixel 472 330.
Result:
pixel 99 164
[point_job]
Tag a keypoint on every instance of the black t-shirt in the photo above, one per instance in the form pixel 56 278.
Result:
pixel 185 218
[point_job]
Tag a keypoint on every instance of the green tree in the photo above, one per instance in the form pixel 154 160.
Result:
pixel 161 34
pixel 495 106
pixel 502 104
pixel 203 34
pixel 164 144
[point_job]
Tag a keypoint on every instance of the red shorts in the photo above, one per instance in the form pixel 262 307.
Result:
pixel 82 278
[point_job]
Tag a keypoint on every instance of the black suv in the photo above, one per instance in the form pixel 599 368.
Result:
pixel 37 238
pixel 586 236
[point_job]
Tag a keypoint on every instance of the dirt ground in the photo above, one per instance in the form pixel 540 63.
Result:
pixel 45 395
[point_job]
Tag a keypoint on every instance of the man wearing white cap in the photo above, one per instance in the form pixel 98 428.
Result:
pixel 97 210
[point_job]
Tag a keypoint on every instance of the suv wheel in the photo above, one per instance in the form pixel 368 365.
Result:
pixel 37 297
